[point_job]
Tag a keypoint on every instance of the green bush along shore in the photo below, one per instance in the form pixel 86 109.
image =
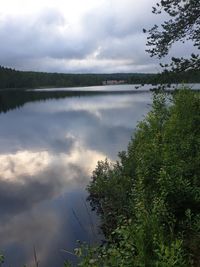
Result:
pixel 149 200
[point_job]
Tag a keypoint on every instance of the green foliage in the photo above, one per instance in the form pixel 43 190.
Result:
pixel 1 259
pixel 149 200
pixel 182 24
pixel 170 255
pixel 107 193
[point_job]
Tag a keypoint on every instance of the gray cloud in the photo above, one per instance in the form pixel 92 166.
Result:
pixel 106 39
pixel 40 38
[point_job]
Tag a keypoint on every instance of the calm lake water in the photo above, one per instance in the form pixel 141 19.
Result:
pixel 48 150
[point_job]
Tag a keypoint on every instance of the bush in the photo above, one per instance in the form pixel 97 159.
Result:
pixel 149 200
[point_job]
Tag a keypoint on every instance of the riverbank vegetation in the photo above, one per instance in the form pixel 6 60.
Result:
pixel 149 200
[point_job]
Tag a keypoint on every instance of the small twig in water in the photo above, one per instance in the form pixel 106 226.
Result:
pixel 35 257
pixel 79 222
pixel 71 253
pixel 90 219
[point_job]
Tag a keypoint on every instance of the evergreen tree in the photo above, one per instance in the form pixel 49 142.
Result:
pixel 183 25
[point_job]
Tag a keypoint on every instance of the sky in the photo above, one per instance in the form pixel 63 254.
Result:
pixel 78 36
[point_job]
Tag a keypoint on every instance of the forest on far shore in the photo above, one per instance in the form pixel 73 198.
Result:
pixel 14 79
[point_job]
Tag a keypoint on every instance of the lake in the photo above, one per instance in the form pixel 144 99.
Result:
pixel 49 146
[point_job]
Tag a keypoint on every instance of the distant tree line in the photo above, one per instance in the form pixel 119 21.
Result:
pixel 10 78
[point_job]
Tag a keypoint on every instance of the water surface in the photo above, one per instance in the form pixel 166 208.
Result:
pixel 48 150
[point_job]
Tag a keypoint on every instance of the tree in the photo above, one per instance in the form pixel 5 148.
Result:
pixel 183 25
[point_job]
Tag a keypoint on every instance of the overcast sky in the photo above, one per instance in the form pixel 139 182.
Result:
pixel 81 36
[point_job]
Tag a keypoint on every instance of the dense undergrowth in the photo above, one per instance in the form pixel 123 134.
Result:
pixel 149 200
